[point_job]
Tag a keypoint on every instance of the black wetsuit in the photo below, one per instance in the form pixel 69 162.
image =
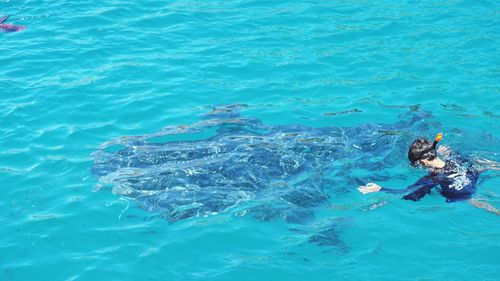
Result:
pixel 456 180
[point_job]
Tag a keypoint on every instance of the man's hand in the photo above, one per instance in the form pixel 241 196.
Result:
pixel 369 188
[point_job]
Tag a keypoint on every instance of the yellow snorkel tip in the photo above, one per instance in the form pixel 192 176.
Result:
pixel 438 137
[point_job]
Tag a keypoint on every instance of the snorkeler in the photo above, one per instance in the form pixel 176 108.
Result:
pixel 9 27
pixel 456 176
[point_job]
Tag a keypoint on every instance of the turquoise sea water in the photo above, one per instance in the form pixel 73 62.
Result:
pixel 85 72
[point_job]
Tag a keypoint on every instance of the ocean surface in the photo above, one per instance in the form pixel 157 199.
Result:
pixel 87 72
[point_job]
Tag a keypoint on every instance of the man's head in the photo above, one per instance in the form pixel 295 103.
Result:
pixel 420 151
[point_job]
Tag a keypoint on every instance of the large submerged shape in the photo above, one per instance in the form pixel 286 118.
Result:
pixel 240 160
pixel 227 160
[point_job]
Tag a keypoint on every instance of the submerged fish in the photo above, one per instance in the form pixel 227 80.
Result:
pixel 225 160
pixel 9 27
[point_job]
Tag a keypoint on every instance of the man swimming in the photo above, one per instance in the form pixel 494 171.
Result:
pixel 456 176
pixel 9 27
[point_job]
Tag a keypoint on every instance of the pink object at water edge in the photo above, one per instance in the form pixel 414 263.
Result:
pixel 9 27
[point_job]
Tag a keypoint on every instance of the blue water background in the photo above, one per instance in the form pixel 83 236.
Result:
pixel 85 72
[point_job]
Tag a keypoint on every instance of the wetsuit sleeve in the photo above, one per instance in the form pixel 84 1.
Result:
pixel 464 161
pixel 415 191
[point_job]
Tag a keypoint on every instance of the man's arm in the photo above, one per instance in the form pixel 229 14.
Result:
pixel 488 164
pixel 413 192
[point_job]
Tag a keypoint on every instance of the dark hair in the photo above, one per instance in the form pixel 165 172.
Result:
pixel 420 149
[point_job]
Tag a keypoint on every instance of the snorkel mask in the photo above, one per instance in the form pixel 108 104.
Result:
pixel 431 153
